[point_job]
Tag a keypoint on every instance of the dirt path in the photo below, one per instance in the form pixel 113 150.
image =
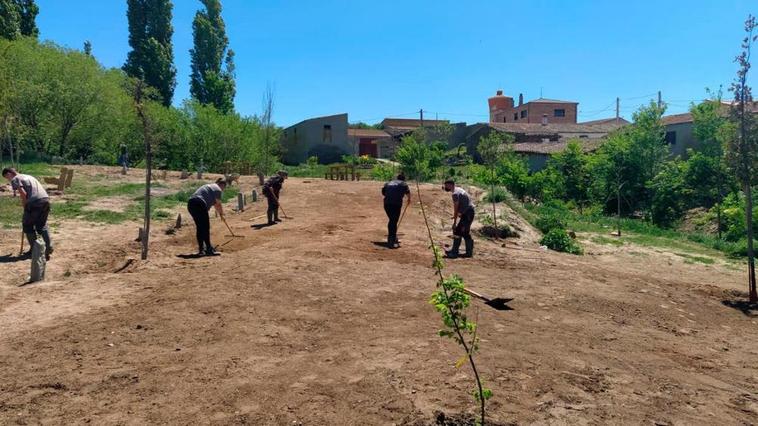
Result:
pixel 311 322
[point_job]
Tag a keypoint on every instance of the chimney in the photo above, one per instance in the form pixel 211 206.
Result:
pixel 499 93
pixel 520 99
pixel 544 119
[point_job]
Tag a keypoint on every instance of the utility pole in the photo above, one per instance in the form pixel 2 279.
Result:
pixel 618 110
pixel 421 113
pixel 660 102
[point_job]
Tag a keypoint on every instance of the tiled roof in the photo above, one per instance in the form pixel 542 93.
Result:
pixel 677 119
pixel 411 123
pixel 555 128
pixel 548 148
pixel 550 101
pixel 367 133
pixel 611 120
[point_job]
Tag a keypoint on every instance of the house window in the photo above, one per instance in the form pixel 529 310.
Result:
pixel 505 119
pixel 523 114
pixel 515 116
pixel 671 138
pixel 559 112
pixel 327 137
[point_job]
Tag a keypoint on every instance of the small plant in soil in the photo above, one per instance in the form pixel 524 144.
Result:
pixel 450 298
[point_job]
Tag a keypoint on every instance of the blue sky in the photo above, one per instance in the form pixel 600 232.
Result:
pixel 374 59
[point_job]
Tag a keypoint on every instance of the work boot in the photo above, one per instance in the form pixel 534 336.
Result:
pixel 45 234
pixel 392 242
pixel 455 251
pixel 469 247
pixel 31 237
pixel 209 251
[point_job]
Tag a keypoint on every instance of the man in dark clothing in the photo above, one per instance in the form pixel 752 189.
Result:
pixel 199 204
pixel 271 189
pixel 36 208
pixel 393 192
pixel 463 208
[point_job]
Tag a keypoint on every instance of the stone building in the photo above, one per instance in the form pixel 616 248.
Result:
pixel 503 110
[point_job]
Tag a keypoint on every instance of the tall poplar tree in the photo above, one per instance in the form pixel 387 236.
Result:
pixel 27 12
pixel 212 81
pixel 152 54
pixel 9 20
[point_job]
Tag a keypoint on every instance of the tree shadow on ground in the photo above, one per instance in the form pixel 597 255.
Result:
pixel 747 308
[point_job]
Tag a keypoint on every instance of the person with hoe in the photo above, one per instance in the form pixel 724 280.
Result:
pixel 36 205
pixel 199 205
pixel 463 208
pixel 393 192
pixel 271 189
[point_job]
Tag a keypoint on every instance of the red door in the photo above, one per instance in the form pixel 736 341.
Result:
pixel 367 147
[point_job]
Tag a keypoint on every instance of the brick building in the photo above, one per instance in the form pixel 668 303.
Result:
pixel 542 111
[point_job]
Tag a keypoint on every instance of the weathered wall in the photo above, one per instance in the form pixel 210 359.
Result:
pixel 307 138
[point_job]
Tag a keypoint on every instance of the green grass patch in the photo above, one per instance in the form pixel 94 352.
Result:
pixel 79 196
pixel 601 239
pixel 696 259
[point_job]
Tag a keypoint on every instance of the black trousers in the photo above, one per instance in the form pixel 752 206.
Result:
pixel 273 208
pixel 199 212
pixel 463 228
pixel 34 222
pixel 393 214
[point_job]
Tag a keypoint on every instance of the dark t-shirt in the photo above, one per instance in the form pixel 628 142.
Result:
pixel 394 191
pixel 273 184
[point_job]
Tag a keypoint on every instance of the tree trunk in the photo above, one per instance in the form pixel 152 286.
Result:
pixel 750 251
pixel 494 209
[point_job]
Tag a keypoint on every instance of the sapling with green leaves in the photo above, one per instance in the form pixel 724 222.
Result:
pixel 492 149
pixel 450 298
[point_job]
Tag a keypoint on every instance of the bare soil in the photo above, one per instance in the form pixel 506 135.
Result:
pixel 312 321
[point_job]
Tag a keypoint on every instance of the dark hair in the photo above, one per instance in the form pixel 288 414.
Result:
pixel 221 181
pixel 9 170
pixel 401 176
pixel 450 182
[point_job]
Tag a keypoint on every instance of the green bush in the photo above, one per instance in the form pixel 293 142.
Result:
pixel 312 161
pixel 559 240
pixel 383 172
pixel 498 196
pixel 549 222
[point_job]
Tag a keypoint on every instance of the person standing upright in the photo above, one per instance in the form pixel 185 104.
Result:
pixel 199 204
pixel 36 205
pixel 393 192
pixel 463 217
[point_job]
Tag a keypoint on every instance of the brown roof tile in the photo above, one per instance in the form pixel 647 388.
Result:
pixel 555 128
pixel 548 148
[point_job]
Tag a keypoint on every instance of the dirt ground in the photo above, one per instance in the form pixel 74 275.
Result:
pixel 313 322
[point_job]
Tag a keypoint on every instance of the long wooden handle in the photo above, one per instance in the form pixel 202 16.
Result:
pixel 477 295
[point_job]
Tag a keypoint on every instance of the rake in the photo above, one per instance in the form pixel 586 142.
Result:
pixel 230 230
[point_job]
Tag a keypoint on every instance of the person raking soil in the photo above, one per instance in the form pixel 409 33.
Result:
pixel 393 192
pixel 463 208
pixel 271 190
pixel 199 205
pixel 36 205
